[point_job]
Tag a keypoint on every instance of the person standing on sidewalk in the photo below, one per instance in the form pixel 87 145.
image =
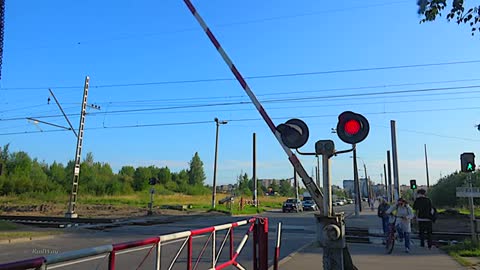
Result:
pixel 423 208
pixel 404 214
pixel 382 213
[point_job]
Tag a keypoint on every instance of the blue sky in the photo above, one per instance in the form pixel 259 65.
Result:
pixel 123 45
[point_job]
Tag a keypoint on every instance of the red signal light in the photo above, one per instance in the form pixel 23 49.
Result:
pixel 352 127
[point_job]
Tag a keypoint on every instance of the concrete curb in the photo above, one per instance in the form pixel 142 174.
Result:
pixel 26 239
pixel 291 255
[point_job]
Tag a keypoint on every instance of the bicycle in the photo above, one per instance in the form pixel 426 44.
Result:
pixel 391 235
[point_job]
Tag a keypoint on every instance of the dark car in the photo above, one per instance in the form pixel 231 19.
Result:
pixel 292 205
pixel 309 205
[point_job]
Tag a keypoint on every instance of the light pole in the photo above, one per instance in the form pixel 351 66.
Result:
pixel 366 176
pixel 214 188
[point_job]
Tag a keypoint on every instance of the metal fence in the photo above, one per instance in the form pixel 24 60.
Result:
pixel 210 255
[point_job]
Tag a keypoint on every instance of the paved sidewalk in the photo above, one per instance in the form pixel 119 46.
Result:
pixel 373 256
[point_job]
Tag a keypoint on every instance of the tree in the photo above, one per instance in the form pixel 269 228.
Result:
pixel 286 189
pixel 243 185
pixel 127 171
pixel 196 174
pixel 140 178
pixel 431 9
pixel 274 186
pixel 164 176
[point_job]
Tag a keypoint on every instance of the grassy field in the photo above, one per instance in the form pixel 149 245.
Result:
pixel 464 211
pixel 198 202
pixel 461 252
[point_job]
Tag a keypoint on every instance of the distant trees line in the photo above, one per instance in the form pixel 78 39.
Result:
pixel 21 174
pixel 443 193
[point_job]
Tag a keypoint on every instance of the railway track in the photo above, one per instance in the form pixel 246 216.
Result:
pixel 358 235
pixel 56 222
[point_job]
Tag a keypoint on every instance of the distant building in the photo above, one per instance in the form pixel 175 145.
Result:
pixel 226 188
pixel 348 186
pixel 268 182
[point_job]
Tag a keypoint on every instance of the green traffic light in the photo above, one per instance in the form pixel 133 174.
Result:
pixel 469 167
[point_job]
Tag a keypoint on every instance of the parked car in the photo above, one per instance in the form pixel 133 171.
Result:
pixel 309 205
pixel 292 205
pixel 339 203
pixel 350 201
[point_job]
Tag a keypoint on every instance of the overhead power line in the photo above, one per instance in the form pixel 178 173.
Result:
pixel 204 105
pixel 259 119
pixel 297 74
pixel 277 93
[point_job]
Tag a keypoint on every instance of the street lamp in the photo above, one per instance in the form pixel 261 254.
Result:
pixel 366 177
pixel 214 188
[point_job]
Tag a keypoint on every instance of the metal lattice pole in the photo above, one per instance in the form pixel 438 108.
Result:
pixel 2 28
pixel 78 154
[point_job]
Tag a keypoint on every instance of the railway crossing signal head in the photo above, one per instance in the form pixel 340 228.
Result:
pixel 294 133
pixel 152 181
pixel 352 127
pixel 467 162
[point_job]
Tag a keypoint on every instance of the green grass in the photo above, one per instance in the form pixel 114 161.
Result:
pixel 25 234
pixel 463 211
pixel 140 199
pixel 460 251
pixel 10 230
pixel 7 226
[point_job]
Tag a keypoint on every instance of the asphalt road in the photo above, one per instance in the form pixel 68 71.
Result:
pixel 298 230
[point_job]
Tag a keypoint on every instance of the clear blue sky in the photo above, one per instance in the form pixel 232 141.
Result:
pixel 57 43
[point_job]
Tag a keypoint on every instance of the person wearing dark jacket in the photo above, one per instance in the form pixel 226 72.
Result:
pixel 382 213
pixel 423 207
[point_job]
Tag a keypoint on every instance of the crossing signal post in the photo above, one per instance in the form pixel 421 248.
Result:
pixel 352 128
pixel 152 181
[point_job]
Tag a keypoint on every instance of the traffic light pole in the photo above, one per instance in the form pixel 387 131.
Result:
pixel 472 212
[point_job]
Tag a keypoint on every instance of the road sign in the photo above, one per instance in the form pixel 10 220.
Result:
pixel 468 192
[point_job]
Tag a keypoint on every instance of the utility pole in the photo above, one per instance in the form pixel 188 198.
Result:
pixel 426 166
pixel 214 188
pixel 71 212
pixel 254 174
pixel 358 201
pixel 390 187
pixel 295 182
pixel 395 159
pixel 318 171
pixel 386 182
pixel 367 182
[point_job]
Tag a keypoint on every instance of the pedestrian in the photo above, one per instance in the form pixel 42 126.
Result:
pixel 404 214
pixel 372 204
pixel 382 213
pixel 424 213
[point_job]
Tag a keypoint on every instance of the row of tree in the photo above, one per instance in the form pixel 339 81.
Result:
pixel 443 194
pixel 20 174
pixel 245 187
